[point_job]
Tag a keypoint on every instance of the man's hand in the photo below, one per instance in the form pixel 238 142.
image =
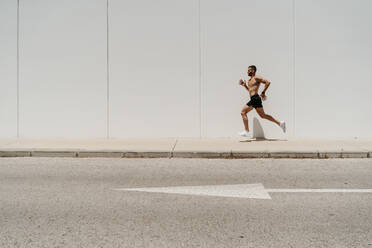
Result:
pixel 242 82
pixel 263 96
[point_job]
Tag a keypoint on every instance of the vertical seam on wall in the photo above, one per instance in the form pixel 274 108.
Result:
pixel 203 95
pixel 200 69
pixel 17 68
pixel 107 71
pixel 294 65
pixel 204 76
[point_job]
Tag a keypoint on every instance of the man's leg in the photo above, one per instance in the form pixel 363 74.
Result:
pixel 244 113
pixel 262 114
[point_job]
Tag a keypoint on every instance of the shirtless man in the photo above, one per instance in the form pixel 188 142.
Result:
pixel 255 102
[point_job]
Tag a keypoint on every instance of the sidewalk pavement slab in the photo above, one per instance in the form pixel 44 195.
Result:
pixel 161 144
pixel 188 148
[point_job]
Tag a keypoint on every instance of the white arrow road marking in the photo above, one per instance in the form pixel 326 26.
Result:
pixel 256 191
pixel 321 190
pixel 235 190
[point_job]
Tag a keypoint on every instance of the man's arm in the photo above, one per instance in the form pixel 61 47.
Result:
pixel 243 83
pixel 264 81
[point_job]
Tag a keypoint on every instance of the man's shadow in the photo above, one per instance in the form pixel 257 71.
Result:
pixel 258 133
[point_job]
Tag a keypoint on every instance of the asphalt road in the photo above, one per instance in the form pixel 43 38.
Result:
pixel 71 202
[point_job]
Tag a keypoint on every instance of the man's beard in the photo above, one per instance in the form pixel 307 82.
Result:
pixel 250 74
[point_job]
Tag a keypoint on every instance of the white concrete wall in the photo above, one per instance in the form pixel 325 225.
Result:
pixel 62 78
pixel 154 87
pixel 8 68
pixel 120 68
pixel 333 68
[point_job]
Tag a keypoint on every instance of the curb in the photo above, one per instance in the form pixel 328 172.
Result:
pixel 294 154
pixel 201 154
pixel 186 154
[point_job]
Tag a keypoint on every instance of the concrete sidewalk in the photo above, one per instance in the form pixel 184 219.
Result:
pixel 187 148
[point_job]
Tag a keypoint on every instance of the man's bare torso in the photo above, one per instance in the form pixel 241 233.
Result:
pixel 253 86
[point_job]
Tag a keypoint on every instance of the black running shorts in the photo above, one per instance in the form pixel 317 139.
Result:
pixel 255 101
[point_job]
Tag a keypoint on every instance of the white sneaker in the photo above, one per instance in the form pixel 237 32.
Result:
pixel 245 133
pixel 282 125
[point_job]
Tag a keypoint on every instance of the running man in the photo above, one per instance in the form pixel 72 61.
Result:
pixel 255 102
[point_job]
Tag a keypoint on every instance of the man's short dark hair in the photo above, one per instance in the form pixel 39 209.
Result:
pixel 253 67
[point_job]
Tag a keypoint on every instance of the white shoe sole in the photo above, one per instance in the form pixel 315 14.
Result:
pixel 244 135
